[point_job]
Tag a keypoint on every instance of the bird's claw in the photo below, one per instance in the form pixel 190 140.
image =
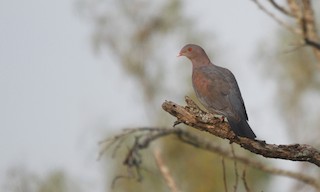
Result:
pixel 176 123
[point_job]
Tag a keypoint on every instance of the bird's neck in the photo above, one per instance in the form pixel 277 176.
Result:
pixel 200 62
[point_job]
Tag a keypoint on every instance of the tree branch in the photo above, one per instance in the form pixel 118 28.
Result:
pixel 312 43
pixel 304 15
pixel 275 18
pixel 246 186
pixel 309 29
pixel 165 172
pixel 235 187
pixel 224 175
pixel 281 9
pixel 146 135
pixel 193 116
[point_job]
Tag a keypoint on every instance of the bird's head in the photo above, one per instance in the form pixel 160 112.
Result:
pixel 191 51
pixel 194 53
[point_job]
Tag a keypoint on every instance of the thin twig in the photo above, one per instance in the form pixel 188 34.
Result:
pixel 274 17
pixel 235 187
pixel 281 9
pixel 303 13
pixel 200 143
pixel 246 186
pixel 133 158
pixel 224 175
pixel 312 43
pixel 294 47
pixel 107 143
pixel 165 171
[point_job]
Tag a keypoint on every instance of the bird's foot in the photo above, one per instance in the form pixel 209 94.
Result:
pixel 176 123
pixel 235 138
pixel 222 119
pixel 262 142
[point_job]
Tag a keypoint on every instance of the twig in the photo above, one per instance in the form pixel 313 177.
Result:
pixel 309 30
pixel 281 9
pixel 304 16
pixel 306 35
pixel 107 143
pixel 274 17
pixel 312 43
pixel 224 175
pixel 246 186
pixel 294 9
pixel 200 143
pixel 133 159
pixel 165 172
pixel 235 187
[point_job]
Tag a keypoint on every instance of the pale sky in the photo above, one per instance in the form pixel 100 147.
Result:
pixel 57 95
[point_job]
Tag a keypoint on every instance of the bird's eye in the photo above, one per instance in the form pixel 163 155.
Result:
pixel 189 49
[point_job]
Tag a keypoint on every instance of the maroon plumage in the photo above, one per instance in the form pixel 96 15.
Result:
pixel 217 90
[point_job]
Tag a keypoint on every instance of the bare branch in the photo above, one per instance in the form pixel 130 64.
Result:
pixel 312 43
pixel 133 158
pixel 246 186
pixel 165 172
pixel 274 17
pixel 144 140
pixel 235 187
pixel 107 143
pixel 200 143
pixel 201 120
pixel 304 16
pixel 192 115
pixel 294 9
pixel 281 9
pixel 309 28
pixel 224 175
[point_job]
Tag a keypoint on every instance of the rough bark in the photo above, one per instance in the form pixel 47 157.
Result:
pixel 193 116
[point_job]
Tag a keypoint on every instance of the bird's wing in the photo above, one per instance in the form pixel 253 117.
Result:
pixel 212 89
pixel 219 92
pixel 234 94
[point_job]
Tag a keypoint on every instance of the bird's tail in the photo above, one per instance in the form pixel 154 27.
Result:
pixel 241 128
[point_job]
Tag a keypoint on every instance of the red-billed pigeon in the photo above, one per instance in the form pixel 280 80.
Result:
pixel 217 89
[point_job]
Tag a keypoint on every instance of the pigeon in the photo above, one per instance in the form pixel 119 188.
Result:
pixel 217 90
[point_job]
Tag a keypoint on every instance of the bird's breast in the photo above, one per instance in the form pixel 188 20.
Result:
pixel 201 85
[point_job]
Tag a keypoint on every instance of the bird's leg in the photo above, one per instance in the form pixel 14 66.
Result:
pixel 235 138
pixel 222 119
pixel 262 142
pixel 176 123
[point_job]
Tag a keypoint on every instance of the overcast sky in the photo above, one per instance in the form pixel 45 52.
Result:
pixel 55 92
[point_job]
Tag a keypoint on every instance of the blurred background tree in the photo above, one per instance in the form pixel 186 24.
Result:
pixel 21 179
pixel 139 35
pixel 295 68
